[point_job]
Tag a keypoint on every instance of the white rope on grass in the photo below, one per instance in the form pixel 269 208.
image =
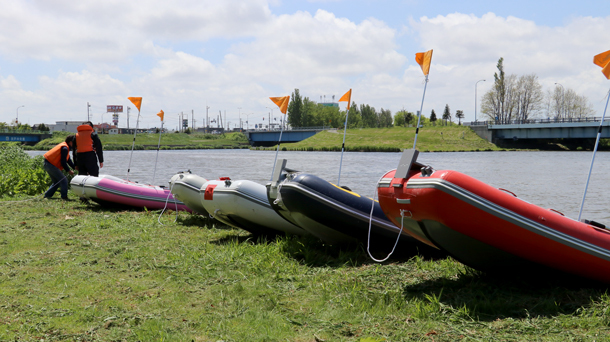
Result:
pixel 368 242
pixel 166 201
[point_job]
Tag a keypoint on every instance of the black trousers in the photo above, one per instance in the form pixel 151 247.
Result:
pixel 87 164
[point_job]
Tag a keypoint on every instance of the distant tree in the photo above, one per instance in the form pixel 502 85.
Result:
pixel 309 111
pixel 403 118
pixel 385 118
pixel 369 116
pixel 563 104
pixel 295 110
pixel 399 119
pixel 433 117
pixel 446 114
pixel 43 128
pixel 460 115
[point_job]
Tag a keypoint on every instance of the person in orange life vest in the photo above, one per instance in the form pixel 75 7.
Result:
pixel 56 160
pixel 88 151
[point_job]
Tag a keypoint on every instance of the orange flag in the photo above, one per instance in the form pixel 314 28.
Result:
pixel 603 60
pixel 160 114
pixel 281 102
pixel 137 101
pixel 347 97
pixel 424 59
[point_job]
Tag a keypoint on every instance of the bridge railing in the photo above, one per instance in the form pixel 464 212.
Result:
pixel 315 128
pixel 534 121
pixel 22 131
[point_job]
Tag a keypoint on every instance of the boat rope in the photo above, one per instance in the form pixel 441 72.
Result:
pixel 368 242
pixel 82 184
pixel 166 201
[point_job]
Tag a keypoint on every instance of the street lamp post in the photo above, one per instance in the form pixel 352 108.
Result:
pixel 17 119
pixel 239 116
pixel 270 116
pixel 475 99
pixel 562 99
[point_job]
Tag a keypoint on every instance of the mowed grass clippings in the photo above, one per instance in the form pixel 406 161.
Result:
pixel 71 271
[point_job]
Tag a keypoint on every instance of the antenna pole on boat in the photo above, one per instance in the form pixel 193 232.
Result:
pixel 156 159
pixel 599 133
pixel 133 144
pixel 419 113
pixel 278 147
pixel 342 147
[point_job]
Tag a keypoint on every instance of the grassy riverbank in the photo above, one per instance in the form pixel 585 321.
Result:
pixel 395 139
pixel 72 271
pixel 150 141
pixel 430 138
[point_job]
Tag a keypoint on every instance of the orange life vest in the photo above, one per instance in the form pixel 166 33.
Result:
pixel 54 155
pixel 84 143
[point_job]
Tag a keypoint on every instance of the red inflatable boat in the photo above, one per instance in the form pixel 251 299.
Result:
pixel 487 228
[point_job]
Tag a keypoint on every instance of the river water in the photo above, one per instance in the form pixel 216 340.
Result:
pixel 548 179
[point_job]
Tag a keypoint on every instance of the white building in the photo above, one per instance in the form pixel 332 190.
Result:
pixel 65 126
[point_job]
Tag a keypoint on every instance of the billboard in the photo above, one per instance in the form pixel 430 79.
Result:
pixel 114 109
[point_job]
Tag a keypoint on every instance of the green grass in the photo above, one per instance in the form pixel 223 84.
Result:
pixel 80 272
pixel 395 139
pixel 150 141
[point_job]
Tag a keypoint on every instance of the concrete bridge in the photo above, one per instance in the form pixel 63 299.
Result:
pixel 23 136
pixel 272 137
pixel 577 129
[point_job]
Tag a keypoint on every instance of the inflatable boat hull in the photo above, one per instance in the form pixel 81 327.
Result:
pixel 243 204
pixel 334 214
pixel 491 229
pixel 113 191
pixel 186 187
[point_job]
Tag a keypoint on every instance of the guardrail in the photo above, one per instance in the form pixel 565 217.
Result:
pixel 315 128
pixel 534 121
pixel 23 131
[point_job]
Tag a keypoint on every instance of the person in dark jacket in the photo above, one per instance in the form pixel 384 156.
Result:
pixel 88 151
pixel 56 160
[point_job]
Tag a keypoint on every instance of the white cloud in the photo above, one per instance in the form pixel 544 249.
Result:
pixel 189 54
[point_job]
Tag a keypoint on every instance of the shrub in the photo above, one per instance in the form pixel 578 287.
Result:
pixel 21 174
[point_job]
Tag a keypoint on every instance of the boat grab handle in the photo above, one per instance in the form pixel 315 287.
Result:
pixel 510 192
pixel 557 211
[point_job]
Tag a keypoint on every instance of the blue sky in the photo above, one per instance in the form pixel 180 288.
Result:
pixel 231 56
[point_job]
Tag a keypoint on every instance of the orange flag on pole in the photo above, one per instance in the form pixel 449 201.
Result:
pixel 424 59
pixel 603 60
pixel 160 114
pixel 281 102
pixel 347 97
pixel 137 101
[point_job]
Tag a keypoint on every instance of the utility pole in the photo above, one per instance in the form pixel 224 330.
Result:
pixel 193 119
pixel 128 117
pixel 88 106
pixel 239 116
pixel 206 118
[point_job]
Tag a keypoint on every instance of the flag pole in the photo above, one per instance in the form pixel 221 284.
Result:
pixel 278 148
pixel 282 103
pixel 342 147
pixel 137 101
pixel 419 113
pixel 133 144
pixel 599 133
pixel 346 97
pixel 156 159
